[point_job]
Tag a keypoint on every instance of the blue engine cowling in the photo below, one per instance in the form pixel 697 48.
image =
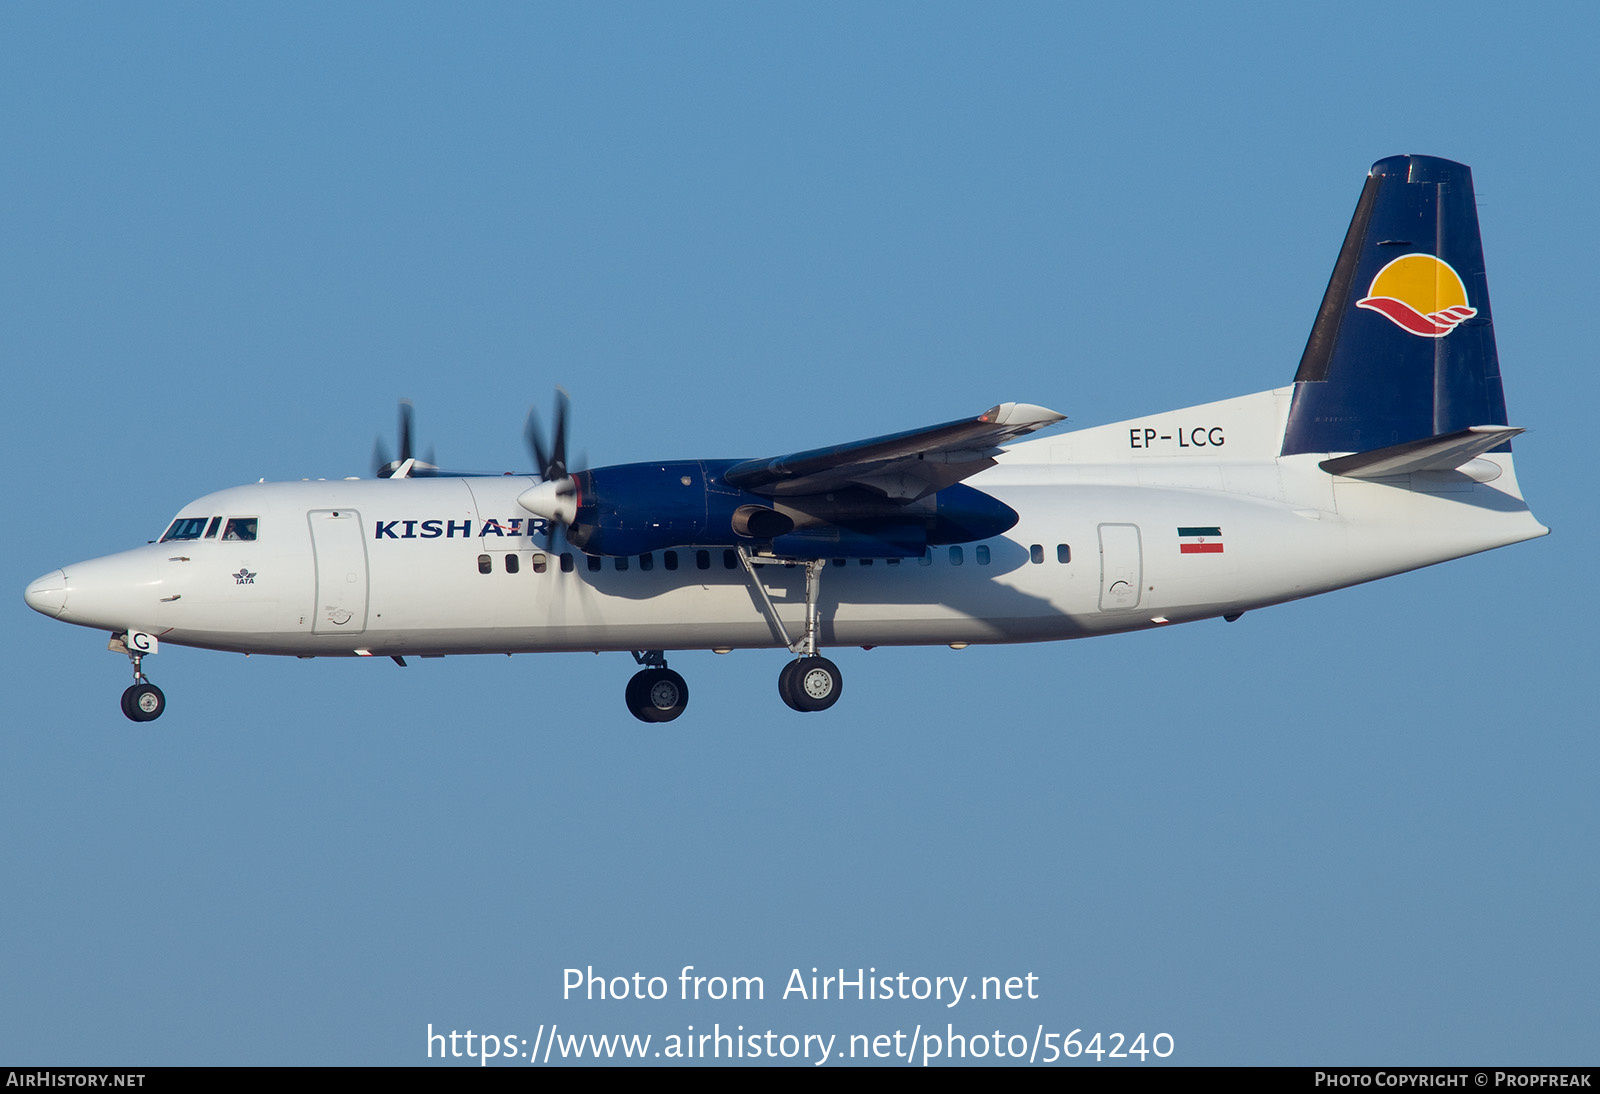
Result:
pixel 633 509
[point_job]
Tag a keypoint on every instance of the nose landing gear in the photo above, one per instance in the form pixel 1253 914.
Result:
pixel 143 701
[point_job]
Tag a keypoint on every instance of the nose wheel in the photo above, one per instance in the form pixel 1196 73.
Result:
pixel 143 701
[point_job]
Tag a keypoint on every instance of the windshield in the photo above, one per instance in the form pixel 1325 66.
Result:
pixel 186 528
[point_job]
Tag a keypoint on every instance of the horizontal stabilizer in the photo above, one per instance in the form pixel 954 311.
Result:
pixel 1445 452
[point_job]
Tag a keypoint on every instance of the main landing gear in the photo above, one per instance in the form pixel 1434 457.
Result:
pixel 143 701
pixel 656 693
pixel 808 683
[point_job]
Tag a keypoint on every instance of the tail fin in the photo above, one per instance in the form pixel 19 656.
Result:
pixel 1403 346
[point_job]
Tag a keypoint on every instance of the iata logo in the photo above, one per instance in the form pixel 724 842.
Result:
pixel 1420 294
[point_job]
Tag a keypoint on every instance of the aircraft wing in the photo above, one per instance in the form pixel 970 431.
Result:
pixel 904 466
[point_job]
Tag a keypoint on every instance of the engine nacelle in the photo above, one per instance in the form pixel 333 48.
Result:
pixel 633 509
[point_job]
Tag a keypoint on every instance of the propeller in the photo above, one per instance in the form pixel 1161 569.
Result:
pixel 555 498
pixel 552 460
pixel 383 467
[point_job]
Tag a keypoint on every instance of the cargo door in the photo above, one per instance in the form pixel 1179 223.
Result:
pixel 1121 567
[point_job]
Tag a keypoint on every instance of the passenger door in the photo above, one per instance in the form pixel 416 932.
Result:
pixel 341 554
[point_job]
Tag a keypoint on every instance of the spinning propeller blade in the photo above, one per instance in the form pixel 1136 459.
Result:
pixel 383 467
pixel 556 497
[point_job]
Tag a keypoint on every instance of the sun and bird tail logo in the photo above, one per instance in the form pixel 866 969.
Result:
pixel 1420 294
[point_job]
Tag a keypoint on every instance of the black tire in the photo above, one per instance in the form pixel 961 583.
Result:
pixel 656 695
pixel 786 689
pixel 815 683
pixel 143 702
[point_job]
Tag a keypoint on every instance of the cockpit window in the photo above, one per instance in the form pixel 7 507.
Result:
pixel 186 528
pixel 211 529
pixel 240 528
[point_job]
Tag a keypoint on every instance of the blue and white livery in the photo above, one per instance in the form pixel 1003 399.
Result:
pixel 1389 451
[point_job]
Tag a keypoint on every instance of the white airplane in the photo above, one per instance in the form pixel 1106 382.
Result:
pixel 1390 451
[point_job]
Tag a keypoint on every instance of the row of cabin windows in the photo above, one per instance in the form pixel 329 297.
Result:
pixel 539 562
pixel 980 555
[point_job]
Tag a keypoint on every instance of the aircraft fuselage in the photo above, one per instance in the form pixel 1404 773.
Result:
pixel 453 566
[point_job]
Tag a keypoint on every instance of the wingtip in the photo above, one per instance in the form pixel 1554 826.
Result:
pixel 1029 415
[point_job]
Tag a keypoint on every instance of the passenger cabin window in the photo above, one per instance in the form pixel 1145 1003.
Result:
pixel 702 560
pixel 1036 552
pixel 1063 553
pixel 982 553
pixel 647 562
pixel 540 562
pixel 566 562
pixel 594 562
pixel 512 565
pixel 955 556
pixel 730 559
pixel 485 564
pixel 243 528
pixel 186 528
pixel 669 559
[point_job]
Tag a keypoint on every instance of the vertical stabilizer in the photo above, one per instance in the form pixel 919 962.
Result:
pixel 1403 345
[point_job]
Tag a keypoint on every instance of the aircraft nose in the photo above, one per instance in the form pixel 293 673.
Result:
pixel 48 595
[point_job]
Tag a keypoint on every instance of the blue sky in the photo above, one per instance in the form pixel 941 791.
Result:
pixel 1358 829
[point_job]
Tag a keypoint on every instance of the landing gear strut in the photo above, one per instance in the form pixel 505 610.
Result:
pixel 810 682
pixel 656 693
pixel 142 702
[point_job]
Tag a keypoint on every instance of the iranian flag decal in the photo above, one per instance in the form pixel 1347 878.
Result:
pixel 1200 541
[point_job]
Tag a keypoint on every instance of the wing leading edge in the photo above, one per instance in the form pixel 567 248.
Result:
pixel 904 466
